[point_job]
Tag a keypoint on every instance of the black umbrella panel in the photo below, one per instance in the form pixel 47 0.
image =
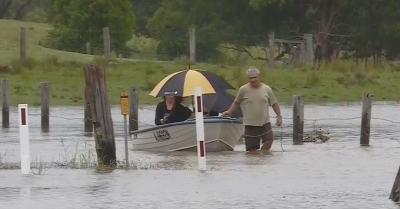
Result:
pixel 221 102
pixel 182 83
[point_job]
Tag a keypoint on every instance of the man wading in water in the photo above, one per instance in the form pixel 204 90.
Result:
pixel 254 99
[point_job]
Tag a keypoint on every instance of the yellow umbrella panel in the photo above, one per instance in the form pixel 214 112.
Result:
pixel 182 83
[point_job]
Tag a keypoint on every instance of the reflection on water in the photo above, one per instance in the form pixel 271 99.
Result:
pixel 336 174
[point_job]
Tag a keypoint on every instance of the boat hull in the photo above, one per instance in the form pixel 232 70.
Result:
pixel 220 134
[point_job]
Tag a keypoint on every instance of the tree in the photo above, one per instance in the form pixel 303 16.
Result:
pixel 318 16
pixel 76 22
pixel 4 6
pixel 20 8
pixel 170 25
pixel 216 22
pixel 144 10
pixel 15 9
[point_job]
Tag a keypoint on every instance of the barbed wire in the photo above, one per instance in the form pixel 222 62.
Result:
pixel 146 107
pixel 91 34
pixel 80 121
pixel 140 47
pixel 72 118
pixel 48 63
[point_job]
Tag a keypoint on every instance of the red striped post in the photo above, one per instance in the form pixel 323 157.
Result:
pixel 24 139
pixel 201 150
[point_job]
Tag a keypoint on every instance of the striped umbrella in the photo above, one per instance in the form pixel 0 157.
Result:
pixel 182 83
pixel 221 102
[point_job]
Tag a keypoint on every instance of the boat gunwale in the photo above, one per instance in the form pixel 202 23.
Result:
pixel 191 121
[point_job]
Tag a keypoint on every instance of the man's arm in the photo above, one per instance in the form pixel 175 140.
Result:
pixel 235 104
pixel 277 109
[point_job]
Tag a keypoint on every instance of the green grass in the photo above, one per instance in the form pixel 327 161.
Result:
pixel 338 82
pixel 35 33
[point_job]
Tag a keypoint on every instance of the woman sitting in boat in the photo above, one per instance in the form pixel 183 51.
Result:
pixel 179 112
pixel 163 109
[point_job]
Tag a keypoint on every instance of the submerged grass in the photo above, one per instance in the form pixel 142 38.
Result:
pixel 75 159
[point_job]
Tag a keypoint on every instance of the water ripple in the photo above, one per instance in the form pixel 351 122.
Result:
pixel 336 174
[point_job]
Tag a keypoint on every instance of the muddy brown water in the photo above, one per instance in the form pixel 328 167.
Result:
pixel 336 174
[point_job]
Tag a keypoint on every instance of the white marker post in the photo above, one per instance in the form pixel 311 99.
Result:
pixel 24 138
pixel 201 150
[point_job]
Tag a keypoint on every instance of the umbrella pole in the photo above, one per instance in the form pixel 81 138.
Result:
pixel 192 103
pixel 191 96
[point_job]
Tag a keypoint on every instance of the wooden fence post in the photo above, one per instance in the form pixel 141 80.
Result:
pixel 88 123
pixel 107 50
pixel 22 45
pixel 133 109
pixel 394 194
pixel 95 80
pixel 45 106
pixel 192 44
pixel 5 84
pixel 366 119
pixel 298 119
pixel 309 50
pixel 271 52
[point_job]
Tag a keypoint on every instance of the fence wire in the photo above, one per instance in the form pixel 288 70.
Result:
pixel 71 120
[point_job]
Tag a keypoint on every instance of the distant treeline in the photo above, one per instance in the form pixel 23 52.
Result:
pixel 359 29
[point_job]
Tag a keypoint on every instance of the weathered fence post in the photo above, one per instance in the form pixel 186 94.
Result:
pixel 5 85
pixel 22 45
pixel 45 106
pixel 192 44
pixel 394 194
pixel 366 119
pixel 133 109
pixel 298 119
pixel 87 113
pixel 95 80
pixel 309 50
pixel 107 50
pixel 271 52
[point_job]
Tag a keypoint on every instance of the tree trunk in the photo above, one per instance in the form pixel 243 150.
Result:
pixel 327 14
pixel 324 42
pixel 95 81
pixel 4 6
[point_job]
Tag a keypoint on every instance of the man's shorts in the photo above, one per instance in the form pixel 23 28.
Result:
pixel 253 134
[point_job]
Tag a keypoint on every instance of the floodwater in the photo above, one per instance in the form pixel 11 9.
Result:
pixel 335 174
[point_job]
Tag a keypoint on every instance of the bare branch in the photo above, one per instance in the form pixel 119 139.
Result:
pixel 243 49
pixel 338 35
pixel 331 21
pixel 342 24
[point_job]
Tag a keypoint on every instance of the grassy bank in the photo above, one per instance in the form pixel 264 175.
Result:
pixel 66 80
pixel 338 82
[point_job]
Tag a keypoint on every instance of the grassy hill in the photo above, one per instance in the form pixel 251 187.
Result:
pixel 64 69
pixel 339 81
pixel 35 33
